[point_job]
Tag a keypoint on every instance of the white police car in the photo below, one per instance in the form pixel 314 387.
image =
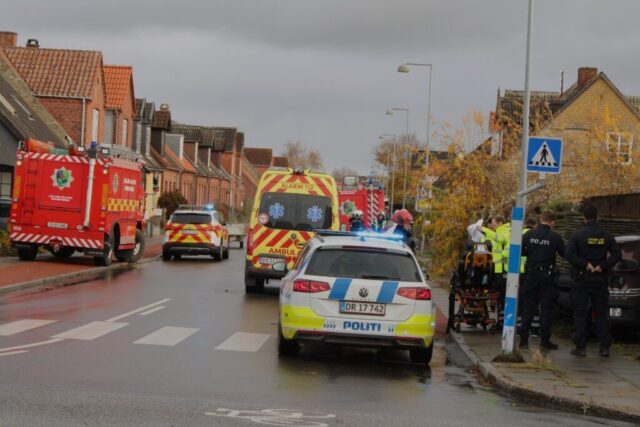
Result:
pixel 363 289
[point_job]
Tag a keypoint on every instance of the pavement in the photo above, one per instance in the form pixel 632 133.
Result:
pixel 49 271
pixel 180 343
pixel 606 387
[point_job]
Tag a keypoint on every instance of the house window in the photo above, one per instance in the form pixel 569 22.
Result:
pixel 94 125
pixel 125 129
pixel 5 184
pixel 621 145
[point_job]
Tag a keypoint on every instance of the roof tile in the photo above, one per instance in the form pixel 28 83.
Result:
pixel 117 80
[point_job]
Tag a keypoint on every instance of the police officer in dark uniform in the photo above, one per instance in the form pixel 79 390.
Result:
pixel 540 246
pixel 592 252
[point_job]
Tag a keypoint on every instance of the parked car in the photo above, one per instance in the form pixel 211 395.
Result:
pixel 624 286
pixel 5 209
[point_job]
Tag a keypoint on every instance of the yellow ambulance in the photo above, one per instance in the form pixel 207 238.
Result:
pixel 289 205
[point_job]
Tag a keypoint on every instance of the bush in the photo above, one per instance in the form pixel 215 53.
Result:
pixel 170 201
pixel 5 245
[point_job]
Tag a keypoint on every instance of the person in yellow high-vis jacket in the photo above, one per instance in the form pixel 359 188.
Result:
pixel 497 246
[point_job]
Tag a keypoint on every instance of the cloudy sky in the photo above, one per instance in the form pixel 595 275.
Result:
pixel 323 72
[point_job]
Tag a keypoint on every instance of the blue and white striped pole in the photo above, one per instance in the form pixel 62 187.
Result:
pixel 513 278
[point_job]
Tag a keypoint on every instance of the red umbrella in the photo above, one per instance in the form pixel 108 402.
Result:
pixel 402 213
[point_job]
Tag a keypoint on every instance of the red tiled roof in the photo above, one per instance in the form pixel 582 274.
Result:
pixel 162 120
pixel 58 72
pixel 259 156
pixel 167 162
pixel 281 161
pixel 117 80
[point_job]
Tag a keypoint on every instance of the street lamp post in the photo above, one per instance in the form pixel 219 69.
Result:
pixel 389 157
pixel 391 112
pixel 405 68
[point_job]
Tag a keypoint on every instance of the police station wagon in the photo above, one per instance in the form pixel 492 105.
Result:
pixel 357 289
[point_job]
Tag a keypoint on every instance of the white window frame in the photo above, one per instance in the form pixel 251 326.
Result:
pixel 95 124
pixel 616 143
pixel 125 130
pixel 138 136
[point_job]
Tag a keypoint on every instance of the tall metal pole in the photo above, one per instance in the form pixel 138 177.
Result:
pixel 429 116
pixel 393 175
pixel 404 160
pixel 517 214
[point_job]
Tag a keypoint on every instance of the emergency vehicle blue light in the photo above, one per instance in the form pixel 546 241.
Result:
pixel 208 207
pixel 374 235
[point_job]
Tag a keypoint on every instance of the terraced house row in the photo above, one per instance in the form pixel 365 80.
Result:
pixel 65 96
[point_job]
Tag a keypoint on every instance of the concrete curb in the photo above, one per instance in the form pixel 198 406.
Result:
pixel 504 383
pixel 74 278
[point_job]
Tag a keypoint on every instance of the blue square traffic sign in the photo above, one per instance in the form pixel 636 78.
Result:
pixel 544 155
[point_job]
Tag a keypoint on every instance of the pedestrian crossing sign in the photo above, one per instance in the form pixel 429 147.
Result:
pixel 544 155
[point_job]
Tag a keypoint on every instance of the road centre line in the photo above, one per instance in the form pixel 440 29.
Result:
pixel 35 344
pixel 13 352
pixel 90 331
pixel 244 341
pixel 137 310
pixel 22 325
pixel 153 310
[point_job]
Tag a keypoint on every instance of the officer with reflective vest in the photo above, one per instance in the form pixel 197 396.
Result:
pixel 540 246
pixel 592 252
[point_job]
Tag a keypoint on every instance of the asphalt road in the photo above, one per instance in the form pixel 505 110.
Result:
pixel 179 343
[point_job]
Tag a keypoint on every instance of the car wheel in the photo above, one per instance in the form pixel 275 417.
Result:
pixel 287 347
pixel 253 285
pixel 217 256
pixel 225 255
pixel 421 355
pixel 177 257
pixel 166 256
pixel 64 252
pixel 28 254
pixel 105 260
pixel 241 244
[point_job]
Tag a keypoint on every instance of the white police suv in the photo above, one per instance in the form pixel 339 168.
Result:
pixel 362 289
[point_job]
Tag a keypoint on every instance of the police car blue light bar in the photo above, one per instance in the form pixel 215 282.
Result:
pixel 361 234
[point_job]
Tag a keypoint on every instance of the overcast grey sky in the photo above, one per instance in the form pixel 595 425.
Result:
pixel 323 72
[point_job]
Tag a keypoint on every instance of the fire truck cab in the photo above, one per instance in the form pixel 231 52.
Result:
pixel 89 201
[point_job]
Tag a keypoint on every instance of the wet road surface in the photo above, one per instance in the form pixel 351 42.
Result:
pixel 179 343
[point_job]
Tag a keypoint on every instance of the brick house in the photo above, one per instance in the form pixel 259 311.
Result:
pixel 120 105
pixel 250 178
pixel 68 83
pixel 282 162
pixel 578 116
pixel 21 117
pixel 160 128
pixel 260 158
pixel 153 170
pixel 175 150
pixel 229 158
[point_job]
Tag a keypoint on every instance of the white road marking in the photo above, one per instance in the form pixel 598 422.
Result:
pixel 35 344
pixel 146 307
pixel 13 352
pixel 244 341
pixel 90 331
pixel 153 310
pixel 167 335
pixel 18 326
pixel 275 417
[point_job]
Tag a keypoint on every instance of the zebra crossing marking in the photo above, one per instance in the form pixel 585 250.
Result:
pixel 22 325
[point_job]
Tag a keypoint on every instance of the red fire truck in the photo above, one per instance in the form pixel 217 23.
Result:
pixel 89 201
pixel 366 197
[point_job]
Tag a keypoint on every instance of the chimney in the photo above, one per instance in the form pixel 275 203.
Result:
pixel 33 43
pixel 164 107
pixel 8 39
pixel 585 75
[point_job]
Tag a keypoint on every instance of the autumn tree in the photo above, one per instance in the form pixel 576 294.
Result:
pixel 340 173
pixel 394 155
pixel 302 157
